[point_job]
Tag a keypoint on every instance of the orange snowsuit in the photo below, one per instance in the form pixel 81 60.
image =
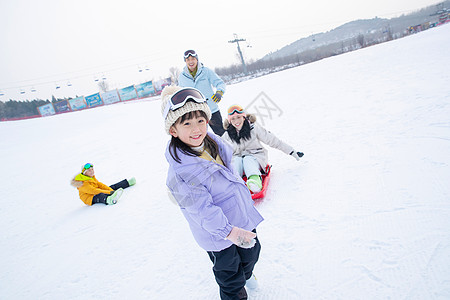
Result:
pixel 88 187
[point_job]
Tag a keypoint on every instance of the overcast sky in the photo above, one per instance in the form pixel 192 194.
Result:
pixel 49 43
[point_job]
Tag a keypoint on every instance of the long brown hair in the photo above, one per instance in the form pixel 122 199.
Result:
pixel 177 144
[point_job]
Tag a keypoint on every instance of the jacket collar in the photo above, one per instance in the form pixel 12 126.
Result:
pixel 193 167
pixel 187 73
pixel 82 177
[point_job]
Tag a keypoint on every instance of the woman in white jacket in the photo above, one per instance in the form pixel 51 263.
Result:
pixel 249 155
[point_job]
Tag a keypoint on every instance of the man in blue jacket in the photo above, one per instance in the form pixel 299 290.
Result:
pixel 196 75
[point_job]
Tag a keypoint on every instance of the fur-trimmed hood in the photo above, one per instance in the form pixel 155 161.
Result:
pixel 75 183
pixel 77 180
pixel 250 117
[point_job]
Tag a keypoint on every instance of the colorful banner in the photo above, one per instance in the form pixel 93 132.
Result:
pixel 93 100
pixel 77 103
pixel 110 97
pixel 46 110
pixel 128 93
pixel 160 84
pixel 62 106
pixel 145 89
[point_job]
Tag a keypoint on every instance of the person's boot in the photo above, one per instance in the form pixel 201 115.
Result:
pixel 252 282
pixel 254 183
pixel 112 199
pixel 131 181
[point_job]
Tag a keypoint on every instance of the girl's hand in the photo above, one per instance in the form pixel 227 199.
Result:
pixel 242 238
pixel 296 155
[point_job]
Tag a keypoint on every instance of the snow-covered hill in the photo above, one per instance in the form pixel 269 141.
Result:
pixel 364 215
pixel 375 29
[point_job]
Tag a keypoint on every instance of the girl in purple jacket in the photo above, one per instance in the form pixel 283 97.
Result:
pixel 214 200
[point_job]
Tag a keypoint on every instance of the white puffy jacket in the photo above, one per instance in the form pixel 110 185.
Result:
pixel 253 145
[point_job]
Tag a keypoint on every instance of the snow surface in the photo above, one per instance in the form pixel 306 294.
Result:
pixel 364 215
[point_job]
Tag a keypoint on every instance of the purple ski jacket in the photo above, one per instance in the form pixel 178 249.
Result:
pixel 212 198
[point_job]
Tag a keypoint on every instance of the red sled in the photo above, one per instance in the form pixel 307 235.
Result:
pixel 265 176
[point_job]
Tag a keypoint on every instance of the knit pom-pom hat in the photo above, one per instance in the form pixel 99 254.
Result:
pixel 189 106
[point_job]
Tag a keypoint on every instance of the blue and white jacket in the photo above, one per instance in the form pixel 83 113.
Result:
pixel 204 81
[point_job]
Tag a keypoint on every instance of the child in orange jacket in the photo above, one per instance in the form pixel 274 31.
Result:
pixel 92 191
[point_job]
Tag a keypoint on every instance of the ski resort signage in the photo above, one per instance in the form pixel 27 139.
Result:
pixel 61 106
pixel 46 110
pixel 128 93
pixel 145 89
pixel 77 103
pixel 110 97
pixel 93 100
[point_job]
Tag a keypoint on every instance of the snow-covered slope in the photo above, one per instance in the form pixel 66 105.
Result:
pixel 364 215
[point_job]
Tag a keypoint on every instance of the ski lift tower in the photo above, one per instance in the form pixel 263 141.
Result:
pixel 237 40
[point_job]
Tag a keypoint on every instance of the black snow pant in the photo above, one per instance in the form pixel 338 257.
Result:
pixel 216 123
pixel 232 267
pixel 101 198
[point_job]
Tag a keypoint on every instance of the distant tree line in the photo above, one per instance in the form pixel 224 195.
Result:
pixel 20 109
pixel 13 109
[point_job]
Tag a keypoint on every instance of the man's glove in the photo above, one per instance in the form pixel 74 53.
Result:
pixel 242 238
pixel 296 154
pixel 217 96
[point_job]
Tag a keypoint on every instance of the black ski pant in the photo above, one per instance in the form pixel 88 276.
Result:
pixel 232 267
pixel 101 198
pixel 216 123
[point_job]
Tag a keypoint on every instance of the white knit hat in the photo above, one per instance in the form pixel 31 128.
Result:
pixel 189 106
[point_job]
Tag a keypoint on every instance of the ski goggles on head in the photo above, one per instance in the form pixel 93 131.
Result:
pixel 190 53
pixel 87 166
pixel 181 97
pixel 235 109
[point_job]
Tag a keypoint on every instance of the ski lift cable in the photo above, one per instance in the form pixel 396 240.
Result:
pixel 71 78
pixel 154 56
